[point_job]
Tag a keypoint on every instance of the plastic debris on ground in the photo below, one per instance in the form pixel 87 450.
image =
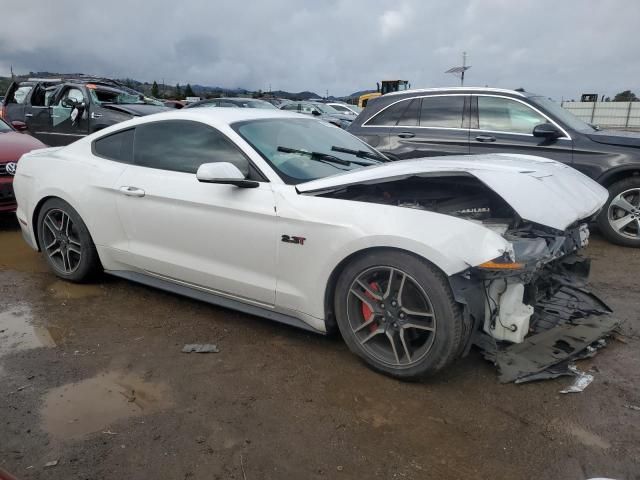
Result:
pixel 581 382
pixel 200 348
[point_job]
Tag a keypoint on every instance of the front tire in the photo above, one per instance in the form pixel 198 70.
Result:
pixel 65 242
pixel 397 313
pixel 619 220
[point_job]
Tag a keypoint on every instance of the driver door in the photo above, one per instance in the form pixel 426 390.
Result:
pixel 212 237
pixel 70 117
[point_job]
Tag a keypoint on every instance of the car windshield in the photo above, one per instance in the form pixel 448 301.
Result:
pixel 119 97
pixel 341 108
pixel 300 150
pixel 324 108
pixel 4 127
pixel 254 104
pixel 564 116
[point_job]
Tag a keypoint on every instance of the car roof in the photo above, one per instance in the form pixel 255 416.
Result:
pixel 459 89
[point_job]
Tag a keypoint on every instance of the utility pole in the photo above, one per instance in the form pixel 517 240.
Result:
pixel 464 67
pixel 460 70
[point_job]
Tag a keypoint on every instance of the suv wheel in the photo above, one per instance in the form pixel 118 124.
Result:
pixel 619 220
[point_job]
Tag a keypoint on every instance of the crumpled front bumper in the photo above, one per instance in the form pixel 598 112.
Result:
pixel 567 320
pixel 564 327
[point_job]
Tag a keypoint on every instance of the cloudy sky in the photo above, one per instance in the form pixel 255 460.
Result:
pixel 560 48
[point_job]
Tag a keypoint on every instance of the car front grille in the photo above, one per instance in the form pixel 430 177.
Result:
pixel 3 169
pixel 6 193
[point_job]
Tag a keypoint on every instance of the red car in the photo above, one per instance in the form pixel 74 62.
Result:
pixel 12 145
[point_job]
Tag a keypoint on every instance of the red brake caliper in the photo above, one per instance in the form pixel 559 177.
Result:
pixel 366 311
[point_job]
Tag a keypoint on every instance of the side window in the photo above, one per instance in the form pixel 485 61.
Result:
pixel 20 95
pixel 307 108
pixel 290 106
pixel 73 94
pixel 182 146
pixel 409 117
pixel 444 112
pixel 38 96
pixel 506 115
pixel 117 146
pixel 390 115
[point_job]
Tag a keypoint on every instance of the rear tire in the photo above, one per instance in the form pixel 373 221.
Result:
pixel 398 314
pixel 65 242
pixel 619 220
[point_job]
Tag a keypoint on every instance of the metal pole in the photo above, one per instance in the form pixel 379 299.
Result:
pixel 464 64
pixel 626 124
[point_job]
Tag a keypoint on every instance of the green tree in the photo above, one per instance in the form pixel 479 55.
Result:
pixel 188 91
pixel 155 91
pixel 178 92
pixel 626 96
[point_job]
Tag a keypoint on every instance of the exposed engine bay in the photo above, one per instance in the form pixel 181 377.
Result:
pixel 456 195
pixel 528 311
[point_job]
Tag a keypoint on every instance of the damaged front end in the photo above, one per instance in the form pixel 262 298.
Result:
pixel 531 309
pixel 528 310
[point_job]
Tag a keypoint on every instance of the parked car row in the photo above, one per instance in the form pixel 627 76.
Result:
pixel 454 121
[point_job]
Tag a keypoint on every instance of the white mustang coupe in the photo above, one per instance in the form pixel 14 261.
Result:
pixel 292 219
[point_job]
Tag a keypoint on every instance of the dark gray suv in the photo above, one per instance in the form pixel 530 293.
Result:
pixel 435 122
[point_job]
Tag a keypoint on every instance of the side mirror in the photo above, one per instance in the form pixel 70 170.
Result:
pixel 223 173
pixel 19 126
pixel 316 113
pixel 546 130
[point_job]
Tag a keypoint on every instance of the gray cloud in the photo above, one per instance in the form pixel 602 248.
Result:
pixel 558 48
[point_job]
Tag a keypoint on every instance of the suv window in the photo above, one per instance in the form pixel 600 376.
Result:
pixel 411 114
pixel 506 115
pixel 73 94
pixel 117 146
pixel 182 146
pixel 390 115
pixel 20 95
pixel 444 112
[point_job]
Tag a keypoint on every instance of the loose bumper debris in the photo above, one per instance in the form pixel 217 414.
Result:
pixel 200 348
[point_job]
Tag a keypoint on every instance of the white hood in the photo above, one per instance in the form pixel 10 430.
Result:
pixel 540 190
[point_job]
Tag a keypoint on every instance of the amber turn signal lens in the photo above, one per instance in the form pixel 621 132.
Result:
pixel 493 265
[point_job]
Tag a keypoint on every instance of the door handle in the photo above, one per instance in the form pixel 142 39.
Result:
pixel 486 138
pixel 95 115
pixel 28 114
pixel 406 135
pixel 132 191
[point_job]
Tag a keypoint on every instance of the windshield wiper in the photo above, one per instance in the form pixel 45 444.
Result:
pixel 326 157
pixel 361 154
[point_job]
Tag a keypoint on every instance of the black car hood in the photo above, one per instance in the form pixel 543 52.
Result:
pixel 616 137
pixel 135 109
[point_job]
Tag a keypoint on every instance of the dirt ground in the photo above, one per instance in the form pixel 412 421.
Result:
pixel 92 376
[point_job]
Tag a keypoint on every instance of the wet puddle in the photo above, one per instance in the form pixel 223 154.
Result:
pixel 93 405
pixel 17 331
pixel 68 291
pixel 15 254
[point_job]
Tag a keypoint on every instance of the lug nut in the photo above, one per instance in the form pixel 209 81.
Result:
pixel 382 305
